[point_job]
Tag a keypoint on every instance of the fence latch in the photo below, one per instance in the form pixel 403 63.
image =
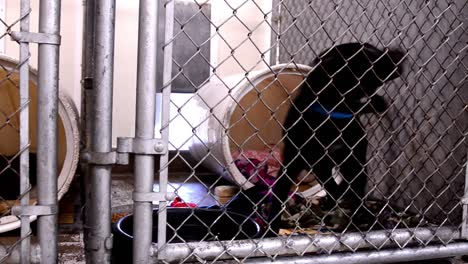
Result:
pixel 145 146
pixel 153 196
pixel 148 146
pixel 105 158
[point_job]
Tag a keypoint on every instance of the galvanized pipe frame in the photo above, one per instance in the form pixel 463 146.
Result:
pixel 377 257
pixel 87 74
pixel 165 119
pixel 87 117
pixel 464 228
pixel 48 76
pixel 144 129
pixel 99 237
pixel 147 107
pixel 299 245
pixel 25 186
pixel 279 246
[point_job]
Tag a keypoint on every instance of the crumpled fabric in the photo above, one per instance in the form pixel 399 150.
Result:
pixel 257 171
pixel 271 158
pixel 178 202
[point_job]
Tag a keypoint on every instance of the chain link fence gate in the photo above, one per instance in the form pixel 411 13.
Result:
pixel 416 156
pixel 398 191
pixel 24 197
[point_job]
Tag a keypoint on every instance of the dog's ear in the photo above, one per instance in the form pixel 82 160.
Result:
pixel 335 58
pixel 387 63
pixel 332 70
pixel 355 69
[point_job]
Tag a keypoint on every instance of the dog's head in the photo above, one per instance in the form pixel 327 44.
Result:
pixel 357 68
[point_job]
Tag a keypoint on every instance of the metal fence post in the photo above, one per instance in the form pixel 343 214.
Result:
pixel 414 149
pixel 145 120
pixel 49 23
pixel 87 70
pixel 87 83
pixel 99 236
pixel 371 257
pixel 24 134
pixel 277 246
pixel 165 117
pixel 464 227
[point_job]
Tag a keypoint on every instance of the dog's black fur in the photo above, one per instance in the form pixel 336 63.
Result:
pixel 344 80
pixel 10 179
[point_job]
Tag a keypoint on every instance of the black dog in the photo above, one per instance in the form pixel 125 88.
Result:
pixel 322 130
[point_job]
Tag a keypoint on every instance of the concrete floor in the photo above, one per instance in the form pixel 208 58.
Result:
pixel 71 249
pixel 71 236
pixel 191 191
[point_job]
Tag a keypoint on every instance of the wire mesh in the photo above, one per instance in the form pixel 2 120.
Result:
pixel 22 107
pixel 16 159
pixel 316 137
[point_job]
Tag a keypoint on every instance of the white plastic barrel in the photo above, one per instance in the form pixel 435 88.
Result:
pixel 68 132
pixel 242 113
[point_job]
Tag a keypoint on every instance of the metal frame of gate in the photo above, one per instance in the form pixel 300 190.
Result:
pixel 48 40
pixel 391 245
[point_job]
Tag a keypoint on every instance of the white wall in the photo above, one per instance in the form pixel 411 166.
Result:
pixel 70 55
pixel 234 35
pixel 233 32
pixel 125 61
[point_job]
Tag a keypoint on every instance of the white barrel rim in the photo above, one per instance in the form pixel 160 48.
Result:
pixel 69 115
pixel 259 76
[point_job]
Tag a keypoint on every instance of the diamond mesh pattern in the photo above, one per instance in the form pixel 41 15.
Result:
pixel 13 103
pixel 416 152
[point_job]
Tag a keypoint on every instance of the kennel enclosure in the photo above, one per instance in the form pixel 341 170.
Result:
pixel 417 149
pixel 214 81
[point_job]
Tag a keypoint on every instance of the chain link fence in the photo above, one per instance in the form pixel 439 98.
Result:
pixel 417 147
pixel 21 110
pixel 14 134
pixel 326 146
pixel 332 131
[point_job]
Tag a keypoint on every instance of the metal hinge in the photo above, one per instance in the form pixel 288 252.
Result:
pixel 125 146
pixel 153 196
pixel 150 146
pixel 105 158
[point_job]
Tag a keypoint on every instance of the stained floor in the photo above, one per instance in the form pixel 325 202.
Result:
pixel 71 236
